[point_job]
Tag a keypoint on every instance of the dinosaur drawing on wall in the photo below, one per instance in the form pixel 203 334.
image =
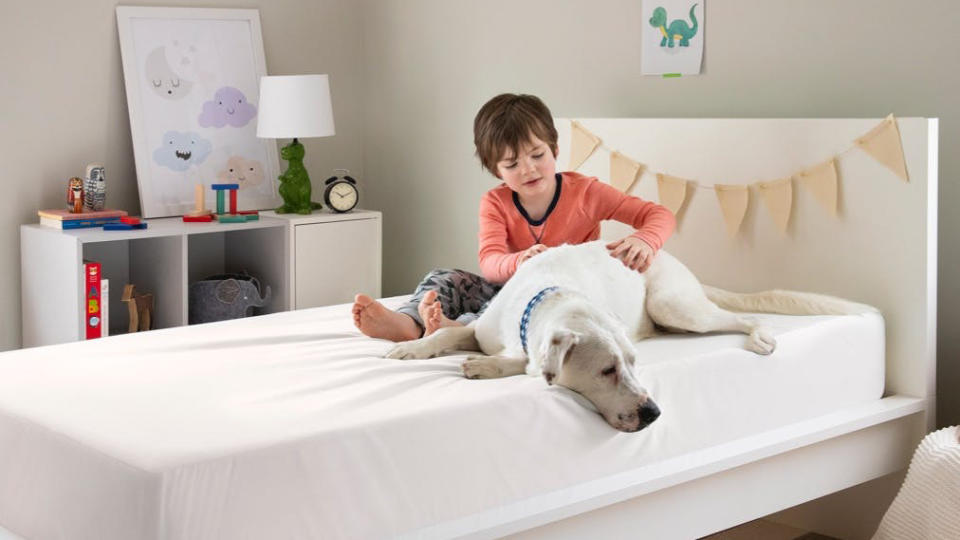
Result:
pixel 678 30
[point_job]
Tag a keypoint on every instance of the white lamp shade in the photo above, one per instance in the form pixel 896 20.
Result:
pixel 295 106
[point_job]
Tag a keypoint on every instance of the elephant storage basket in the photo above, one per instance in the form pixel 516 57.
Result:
pixel 225 296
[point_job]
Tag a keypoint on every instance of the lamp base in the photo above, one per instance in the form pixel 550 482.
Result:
pixel 295 189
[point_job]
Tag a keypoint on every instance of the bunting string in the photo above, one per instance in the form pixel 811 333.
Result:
pixel 882 143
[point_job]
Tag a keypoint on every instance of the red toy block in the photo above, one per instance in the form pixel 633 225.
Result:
pixel 198 219
pixel 130 220
pixel 233 201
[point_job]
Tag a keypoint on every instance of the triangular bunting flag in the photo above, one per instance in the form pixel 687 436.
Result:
pixel 822 182
pixel 777 196
pixel 733 203
pixel 582 145
pixel 883 144
pixel 673 191
pixel 623 171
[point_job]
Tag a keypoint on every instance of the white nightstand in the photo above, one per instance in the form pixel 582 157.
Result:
pixel 333 256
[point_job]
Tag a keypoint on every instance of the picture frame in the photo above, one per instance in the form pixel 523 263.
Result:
pixel 192 78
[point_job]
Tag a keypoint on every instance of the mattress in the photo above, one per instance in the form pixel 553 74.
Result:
pixel 292 425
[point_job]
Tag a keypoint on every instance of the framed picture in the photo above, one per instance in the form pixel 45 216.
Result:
pixel 193 77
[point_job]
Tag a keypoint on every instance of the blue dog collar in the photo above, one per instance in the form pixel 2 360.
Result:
pixel 525 319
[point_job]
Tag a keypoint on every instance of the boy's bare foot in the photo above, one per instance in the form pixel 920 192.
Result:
pixel 431 313
pixel 376 321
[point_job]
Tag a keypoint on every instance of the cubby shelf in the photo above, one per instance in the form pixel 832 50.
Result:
pixel 162 259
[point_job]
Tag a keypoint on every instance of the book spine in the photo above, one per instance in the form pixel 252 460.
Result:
pixel 92 299
pixel 104 307
pixel 77 223
pixel 87 223
pixel 68 216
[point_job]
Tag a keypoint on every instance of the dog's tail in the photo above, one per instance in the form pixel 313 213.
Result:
pixel 785 302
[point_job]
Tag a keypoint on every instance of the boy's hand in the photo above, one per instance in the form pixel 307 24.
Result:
pixel 531 251
pixel 634 252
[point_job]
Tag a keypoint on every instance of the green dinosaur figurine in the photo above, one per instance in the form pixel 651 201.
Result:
pixel 295 183
pixel 678 29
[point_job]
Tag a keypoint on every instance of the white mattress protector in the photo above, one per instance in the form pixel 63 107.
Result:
pixel 292 425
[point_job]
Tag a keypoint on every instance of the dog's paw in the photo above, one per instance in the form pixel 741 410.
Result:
pixel 410 350
pixel 761 341
pixel 480 367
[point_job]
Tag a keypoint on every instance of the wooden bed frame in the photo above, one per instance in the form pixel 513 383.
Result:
pixel 880 250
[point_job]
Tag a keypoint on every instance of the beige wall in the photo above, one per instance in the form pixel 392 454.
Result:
pixel 63 104
pixel 429 64
pixel 408 75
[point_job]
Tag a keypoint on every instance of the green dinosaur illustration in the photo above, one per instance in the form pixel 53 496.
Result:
pixel 678 29
pixel 295 183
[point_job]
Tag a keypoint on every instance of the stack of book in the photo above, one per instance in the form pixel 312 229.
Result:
pixel 64 219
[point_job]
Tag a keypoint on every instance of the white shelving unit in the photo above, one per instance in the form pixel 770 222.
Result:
pixel 162 259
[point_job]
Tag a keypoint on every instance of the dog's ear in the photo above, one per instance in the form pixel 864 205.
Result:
pixel 556 351
pixel 627 348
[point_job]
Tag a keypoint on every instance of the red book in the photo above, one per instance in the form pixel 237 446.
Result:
pixel 91 299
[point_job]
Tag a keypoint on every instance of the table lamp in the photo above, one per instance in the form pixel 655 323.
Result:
pixel 292 107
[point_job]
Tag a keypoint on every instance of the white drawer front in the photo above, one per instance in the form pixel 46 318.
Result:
pixel 335 261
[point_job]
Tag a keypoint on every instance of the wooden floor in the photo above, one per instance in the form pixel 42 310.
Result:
pixel 766 530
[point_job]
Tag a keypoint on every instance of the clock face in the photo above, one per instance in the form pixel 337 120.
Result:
pixel 343 196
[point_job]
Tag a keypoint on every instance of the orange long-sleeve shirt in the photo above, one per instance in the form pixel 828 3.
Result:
pixel 574 217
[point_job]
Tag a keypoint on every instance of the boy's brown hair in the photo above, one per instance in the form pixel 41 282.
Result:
pixel 507 122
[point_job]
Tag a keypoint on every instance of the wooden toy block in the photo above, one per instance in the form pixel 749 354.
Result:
pixel 233 201
pixel 221 187
pixel 132 220
pixel 199 206
pixel 139 307
pixel 123 226
pixel 206 218
pixel 220 205
pixel 227 218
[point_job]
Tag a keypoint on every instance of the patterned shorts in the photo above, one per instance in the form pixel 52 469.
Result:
pixel 463 295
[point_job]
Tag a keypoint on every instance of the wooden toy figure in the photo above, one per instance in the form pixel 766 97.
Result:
pixel 94 188
pixel 75 195
pixel 139 306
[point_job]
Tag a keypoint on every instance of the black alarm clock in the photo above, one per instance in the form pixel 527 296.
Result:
pixel 341 194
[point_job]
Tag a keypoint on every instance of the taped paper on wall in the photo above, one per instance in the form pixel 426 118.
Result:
pixel 672 37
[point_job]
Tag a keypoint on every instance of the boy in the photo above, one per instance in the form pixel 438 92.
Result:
pixel 535 208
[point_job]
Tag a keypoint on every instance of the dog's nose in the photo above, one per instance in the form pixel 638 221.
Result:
pixel 649 412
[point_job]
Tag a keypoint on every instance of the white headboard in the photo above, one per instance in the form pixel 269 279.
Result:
pixel 880 250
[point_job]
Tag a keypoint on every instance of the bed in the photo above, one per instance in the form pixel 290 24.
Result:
pixel 292 425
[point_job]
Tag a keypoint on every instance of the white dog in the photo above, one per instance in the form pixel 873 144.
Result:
pixel 572 314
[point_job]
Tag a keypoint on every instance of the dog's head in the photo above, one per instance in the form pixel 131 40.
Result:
pixel 597 363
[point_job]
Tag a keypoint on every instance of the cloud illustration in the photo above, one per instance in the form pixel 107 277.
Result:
pixel 179 150
pixel 229 106
pixel 244 172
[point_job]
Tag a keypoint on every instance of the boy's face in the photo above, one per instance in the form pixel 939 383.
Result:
pixel 530 173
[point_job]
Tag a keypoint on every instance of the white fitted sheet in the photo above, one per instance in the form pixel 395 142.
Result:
pixel 292 425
